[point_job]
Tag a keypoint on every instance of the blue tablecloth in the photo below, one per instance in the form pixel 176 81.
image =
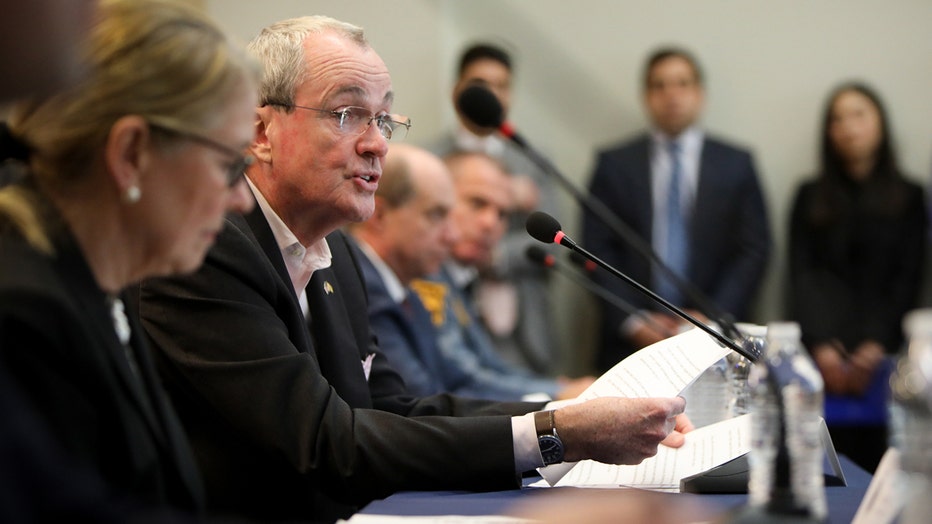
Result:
pixel 842 501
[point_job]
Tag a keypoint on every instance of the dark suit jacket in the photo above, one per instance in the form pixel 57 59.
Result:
pixel 280 414
pixel 730 234
pixel 58 341
pixel 446 358
pixel 40 483
pixel 855 277
pixel 406 338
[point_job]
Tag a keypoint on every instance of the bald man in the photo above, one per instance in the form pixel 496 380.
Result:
pixel 408 237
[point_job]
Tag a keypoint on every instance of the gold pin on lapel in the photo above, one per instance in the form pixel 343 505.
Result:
pixel 328 289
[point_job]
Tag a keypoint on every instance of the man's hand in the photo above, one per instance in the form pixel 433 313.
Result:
pixel 617 430
pixel 677 437
pixel 864 363
pixel 832 365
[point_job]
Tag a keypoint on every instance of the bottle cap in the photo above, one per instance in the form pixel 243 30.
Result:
pixel 783 330
pixel 918 322
pixel 751 330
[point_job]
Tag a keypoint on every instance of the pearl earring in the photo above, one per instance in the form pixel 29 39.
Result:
pixel 132 195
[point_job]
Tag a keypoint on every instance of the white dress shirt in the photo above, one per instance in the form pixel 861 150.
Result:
pixel 300 261
pixel 661 169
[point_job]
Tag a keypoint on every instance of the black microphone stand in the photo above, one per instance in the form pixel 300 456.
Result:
pixel 609 218
pixel 721 339
pixel 482 107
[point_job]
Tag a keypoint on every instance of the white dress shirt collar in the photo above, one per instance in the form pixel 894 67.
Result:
pixel 690 140
pixel 465 140
pixel 300 261
pixel 461 275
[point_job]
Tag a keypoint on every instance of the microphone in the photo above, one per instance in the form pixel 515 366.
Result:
pixel 482 107
pixel 587 265
pixel 540 256
pixel 546 229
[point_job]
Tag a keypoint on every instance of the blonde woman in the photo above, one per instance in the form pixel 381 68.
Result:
pixel 125 175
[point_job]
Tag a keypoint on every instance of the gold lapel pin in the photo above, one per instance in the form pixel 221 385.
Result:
pixel 328 289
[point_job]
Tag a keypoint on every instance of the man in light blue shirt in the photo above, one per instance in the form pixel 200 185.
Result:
pixel 695 199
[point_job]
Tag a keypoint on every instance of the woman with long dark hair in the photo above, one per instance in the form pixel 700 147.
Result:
pixel 856 251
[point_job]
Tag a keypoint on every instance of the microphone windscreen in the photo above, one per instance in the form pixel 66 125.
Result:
pixel 538 255
pixel 542 227
pixel 481 107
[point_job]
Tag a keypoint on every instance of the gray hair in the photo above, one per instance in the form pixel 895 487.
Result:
pixel 280 49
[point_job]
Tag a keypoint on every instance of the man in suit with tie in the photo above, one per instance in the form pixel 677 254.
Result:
pixel 292 411
pixel 696 200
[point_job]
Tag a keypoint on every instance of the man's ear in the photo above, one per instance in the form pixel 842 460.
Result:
pixel 261 147
pixel 126 153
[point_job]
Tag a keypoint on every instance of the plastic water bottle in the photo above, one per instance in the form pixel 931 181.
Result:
pixel 911 416
pixel 786 483
pixel 708 398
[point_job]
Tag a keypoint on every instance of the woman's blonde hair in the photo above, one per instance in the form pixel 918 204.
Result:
pixel 163 60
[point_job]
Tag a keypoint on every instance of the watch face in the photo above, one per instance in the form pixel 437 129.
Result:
pixel 551 449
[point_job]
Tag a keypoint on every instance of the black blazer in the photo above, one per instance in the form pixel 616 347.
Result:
pixel 58 341
pixel 730 233
pixel 280 415
pixel 855 277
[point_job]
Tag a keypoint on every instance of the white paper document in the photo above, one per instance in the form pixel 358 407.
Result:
pixel 704 449
pixel 663 369
pixel 886 493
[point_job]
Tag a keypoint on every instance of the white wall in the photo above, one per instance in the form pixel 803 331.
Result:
pixel 769 66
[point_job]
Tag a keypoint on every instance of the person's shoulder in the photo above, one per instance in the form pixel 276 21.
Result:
pixel 30 287
pixel 717 143
pixel 627 145
pixel 916 193
pixel 911 184
pixel 808 182
pixel 23 267
pixel 806 187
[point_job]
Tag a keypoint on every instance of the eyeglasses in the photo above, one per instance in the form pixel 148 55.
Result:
pixel 237 167
pixel 354 120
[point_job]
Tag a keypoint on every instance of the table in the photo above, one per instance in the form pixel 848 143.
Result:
pixel 842 501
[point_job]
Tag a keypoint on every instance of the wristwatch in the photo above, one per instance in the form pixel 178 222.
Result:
pixel 551 447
